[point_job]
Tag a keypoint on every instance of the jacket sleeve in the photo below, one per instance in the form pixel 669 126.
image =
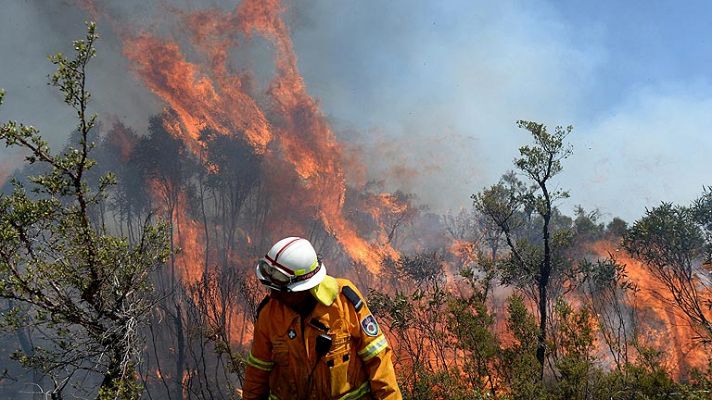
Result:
pixel 259 363
pixel 376 354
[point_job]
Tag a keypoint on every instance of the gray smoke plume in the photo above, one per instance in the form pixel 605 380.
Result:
pixel 424 93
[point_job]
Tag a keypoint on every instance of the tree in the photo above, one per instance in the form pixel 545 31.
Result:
pixel 675 242
pixel 416 315
pixel 471 324
pixel 587 229
pixel 616 228
pixel 608 293
pixel 519 366
pixel 216 304
pixel 168 167
pixel 129 202
pixel 510 203
pixel 574 350
pixel 86 290
pixel 231 172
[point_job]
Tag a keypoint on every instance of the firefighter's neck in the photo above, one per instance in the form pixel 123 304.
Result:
pixel 302 303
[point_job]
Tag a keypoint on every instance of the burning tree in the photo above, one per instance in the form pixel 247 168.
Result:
pixel 84 291
pixel 511 203
pixel 676 244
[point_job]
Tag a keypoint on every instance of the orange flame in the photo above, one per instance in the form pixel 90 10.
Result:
pixel 193 95
pixel 663 327
pixel 213 97
pixel 186 231
pixel 465 252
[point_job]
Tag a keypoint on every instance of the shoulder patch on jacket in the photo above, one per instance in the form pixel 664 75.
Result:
pixel 370 326
pixel 260 306
pixel 353 297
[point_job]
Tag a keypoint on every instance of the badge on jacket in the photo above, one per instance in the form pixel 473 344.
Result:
pixel 291 333
pixel 369 325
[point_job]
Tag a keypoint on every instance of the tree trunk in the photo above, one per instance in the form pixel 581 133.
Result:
pixel 180 358
pixel 541 339
pixel 544 273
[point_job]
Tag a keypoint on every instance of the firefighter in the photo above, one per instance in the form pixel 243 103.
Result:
pixel 314 336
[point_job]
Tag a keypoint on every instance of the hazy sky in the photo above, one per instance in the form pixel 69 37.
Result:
pixel 428 92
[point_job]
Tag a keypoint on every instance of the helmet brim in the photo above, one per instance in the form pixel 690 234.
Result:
pixel 309 283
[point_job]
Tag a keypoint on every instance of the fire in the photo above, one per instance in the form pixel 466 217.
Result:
pixel 189 241
pixel 211 96
pixel 196 98
pixel 384 203
pixel 662 327
pixel 464 251
pixel 186 232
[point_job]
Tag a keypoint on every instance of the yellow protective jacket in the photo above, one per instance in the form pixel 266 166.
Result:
pixel 283 363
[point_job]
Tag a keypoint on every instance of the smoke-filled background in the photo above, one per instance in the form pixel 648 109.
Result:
pixel 366 127
pixel 426 93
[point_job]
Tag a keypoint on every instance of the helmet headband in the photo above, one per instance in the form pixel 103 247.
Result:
pixel 280 277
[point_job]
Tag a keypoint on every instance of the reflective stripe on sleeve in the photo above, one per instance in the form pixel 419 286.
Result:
pixel 357 393
pixel 373 348
pixel 259 364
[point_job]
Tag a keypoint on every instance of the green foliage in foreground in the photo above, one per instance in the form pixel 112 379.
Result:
pixel 79 291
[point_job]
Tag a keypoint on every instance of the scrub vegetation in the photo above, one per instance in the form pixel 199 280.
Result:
pixel 126 270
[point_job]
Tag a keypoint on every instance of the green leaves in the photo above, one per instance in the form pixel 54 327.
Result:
pixel 667 236
pixel 65 273
pixel 536 260
pixel 70 76
pixel 543 160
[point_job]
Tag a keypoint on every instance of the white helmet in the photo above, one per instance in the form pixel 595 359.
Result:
pixel 291 265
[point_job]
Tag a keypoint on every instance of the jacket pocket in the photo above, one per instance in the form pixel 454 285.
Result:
pixel 281 379
pixel 338 360
pixel 280 353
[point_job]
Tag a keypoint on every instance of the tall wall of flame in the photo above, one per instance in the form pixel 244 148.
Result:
pixel 289 130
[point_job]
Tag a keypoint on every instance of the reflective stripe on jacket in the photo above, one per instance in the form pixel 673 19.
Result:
pixel 283 364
